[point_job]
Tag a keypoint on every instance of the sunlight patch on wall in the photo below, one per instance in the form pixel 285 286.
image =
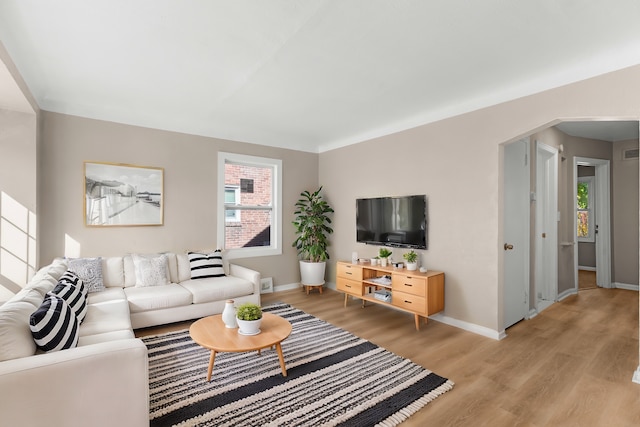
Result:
pixel 17 245
pixel 71 247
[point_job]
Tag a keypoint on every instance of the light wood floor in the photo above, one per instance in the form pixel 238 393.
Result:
pixel 586 280
pixel 569 366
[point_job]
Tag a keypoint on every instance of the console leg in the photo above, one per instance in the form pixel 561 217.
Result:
pixel 417 318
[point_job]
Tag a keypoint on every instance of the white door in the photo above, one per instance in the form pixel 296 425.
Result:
pixel 516 231
pixel 546 234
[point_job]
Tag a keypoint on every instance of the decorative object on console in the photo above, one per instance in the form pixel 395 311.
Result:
pixel 90 271
pixel 249 317
pixel 412 260
pixel 122 195
pixel 229 315
pixel 312 227
pixel 204 265
pixel 384 255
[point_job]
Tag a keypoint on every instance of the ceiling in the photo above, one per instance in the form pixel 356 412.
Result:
pixel 308 75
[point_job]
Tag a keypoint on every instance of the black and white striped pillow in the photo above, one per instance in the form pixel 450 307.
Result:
pixel 73 278
pixel 206 265
pixel 75 297
pixel 54 325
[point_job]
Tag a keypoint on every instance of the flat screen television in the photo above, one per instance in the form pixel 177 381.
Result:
pixel 392 221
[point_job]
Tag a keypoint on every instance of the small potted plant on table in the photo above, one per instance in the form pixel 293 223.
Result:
pixel 384 255
pixel 412 260
pixel 249 316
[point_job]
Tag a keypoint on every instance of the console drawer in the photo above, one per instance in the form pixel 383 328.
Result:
pixel 349 271
pixel 409 284
pixel 349 286
pixel 409 302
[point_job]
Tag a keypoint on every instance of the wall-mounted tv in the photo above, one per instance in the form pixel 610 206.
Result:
pixel 392 221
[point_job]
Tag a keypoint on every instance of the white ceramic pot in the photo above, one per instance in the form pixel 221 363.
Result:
pixel 248 327
pixel 383 262
pixel 312 273
pixel 229 315
pixel 412 266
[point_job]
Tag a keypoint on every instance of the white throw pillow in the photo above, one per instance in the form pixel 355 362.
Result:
pixel 151 270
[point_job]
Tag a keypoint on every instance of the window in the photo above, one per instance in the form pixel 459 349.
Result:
pixel 584 209
pixel 231 198
pixel 249 208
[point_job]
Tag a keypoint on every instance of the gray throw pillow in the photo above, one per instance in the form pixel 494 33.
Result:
pixel 90 271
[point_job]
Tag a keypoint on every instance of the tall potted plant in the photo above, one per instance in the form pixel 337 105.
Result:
pixel 312 225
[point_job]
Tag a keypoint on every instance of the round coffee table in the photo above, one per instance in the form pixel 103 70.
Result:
pixel 211 333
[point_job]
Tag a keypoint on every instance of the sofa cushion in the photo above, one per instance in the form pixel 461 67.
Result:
pixel 218 288
pixel 106 336
pixel 206 265
pixel 113 271
pixel 108 295
pixel 15 336
pixel 90 271
pixel 105 317
pixel 32 296
pixel 157 297
pixel 74 296
pixel 54 325
pixel 151 270
pixel 44 284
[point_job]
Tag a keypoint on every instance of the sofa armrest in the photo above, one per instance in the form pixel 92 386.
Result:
pixel 105 384
pixel 248 274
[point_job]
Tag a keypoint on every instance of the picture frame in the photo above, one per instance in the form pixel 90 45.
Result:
pixel 122 195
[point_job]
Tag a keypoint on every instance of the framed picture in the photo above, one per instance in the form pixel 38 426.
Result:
pixel 122 195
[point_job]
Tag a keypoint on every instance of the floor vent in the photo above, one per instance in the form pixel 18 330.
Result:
pixel 630 154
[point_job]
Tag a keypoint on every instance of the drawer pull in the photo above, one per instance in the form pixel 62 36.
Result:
pixel 408 302
pixel 349 273
pixel 347 286
pixel 408 284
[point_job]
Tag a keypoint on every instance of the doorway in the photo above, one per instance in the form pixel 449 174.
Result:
pixel 546 226
pixel 598 229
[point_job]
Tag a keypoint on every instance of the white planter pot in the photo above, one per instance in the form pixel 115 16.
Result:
pixel 312 273
pixel 249 327
pixel 412 266
pixel 383 262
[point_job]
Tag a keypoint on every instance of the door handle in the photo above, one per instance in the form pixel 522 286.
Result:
pixel 508 247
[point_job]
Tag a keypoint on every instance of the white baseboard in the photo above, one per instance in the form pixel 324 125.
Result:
pixel 289 286
pixel 567 293
pixel 580 267
pixel 636 376
pixel 626 286
pixel 471 327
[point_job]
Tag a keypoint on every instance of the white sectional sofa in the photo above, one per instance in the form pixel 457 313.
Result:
pixel 104 380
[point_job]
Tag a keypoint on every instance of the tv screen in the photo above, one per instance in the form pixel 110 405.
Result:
pixel 392 221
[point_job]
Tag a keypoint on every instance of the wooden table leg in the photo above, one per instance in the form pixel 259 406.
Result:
pixel 346 297
pixel 211 360
pixel 281 357
pixel 417 322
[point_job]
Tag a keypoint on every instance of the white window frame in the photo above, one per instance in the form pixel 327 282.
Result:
pixel 590 181
pixel 236 215
pixel 276 205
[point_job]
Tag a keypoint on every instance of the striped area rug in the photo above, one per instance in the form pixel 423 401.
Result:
pixel 333 378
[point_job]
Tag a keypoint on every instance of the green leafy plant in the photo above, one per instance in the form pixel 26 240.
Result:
pixel 384 253
pixel 410 256
pixel 312 226
pixel 249 311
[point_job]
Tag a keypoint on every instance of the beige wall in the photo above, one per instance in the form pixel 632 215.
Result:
pixel 17 200
pixel 455 162
pixel 190 187
pixel 625 215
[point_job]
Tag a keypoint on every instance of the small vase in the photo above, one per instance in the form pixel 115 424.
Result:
pixel 383 262
pixel 229 315
pixel 412 266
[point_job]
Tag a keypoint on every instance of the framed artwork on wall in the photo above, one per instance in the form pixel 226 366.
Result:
pixel 118 194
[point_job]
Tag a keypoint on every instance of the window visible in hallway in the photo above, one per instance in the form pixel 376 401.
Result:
pixel 584 209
